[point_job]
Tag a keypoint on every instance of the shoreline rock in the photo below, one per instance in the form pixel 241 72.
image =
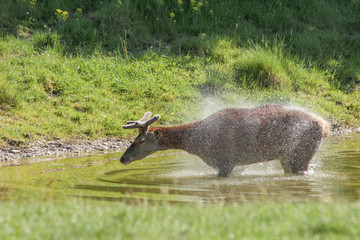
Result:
pixel 9 154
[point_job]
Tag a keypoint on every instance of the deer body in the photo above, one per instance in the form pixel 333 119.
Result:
pixel 241 136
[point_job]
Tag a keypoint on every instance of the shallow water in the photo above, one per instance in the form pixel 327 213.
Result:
pixel 333 174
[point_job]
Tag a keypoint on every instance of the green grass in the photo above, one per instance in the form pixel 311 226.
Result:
pixel 83 71
pixel 48 94
pixel 104 220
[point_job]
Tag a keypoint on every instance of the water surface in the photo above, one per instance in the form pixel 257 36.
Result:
pixel 171 176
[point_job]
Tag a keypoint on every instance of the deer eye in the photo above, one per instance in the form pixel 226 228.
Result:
pixel 142 140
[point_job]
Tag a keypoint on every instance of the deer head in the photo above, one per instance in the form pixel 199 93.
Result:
pixel 145 143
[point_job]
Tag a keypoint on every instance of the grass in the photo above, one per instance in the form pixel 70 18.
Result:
pixel 80 69
pixel 48 94
pixel 74 69
pixel 77 219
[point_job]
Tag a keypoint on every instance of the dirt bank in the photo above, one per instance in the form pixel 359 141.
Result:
pixel 59 147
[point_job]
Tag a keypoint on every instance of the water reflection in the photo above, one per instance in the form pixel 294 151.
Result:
pixel 333 174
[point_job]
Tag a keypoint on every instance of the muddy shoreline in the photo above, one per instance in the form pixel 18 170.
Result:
pixel 61 148
pixel 58 148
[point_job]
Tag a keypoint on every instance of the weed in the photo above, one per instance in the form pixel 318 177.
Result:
pixel 79 61
pixel 89 219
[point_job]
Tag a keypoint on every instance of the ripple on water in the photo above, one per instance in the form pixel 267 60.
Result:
pixel 177 177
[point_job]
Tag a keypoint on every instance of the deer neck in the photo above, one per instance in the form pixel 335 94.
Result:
pixel 181 137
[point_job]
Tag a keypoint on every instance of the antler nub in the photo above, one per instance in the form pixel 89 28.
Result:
pixel 146 117
pixel 144 122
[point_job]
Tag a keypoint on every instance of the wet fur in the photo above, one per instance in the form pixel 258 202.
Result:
pixel 241 136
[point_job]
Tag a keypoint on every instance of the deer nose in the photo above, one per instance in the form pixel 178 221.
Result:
pixel 124 161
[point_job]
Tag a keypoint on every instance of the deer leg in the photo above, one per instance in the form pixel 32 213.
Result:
pixel 285 163
pixel 299 165
pixel 225 170
pixel 300 158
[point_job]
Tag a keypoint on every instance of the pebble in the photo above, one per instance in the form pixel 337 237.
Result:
pixel 58 147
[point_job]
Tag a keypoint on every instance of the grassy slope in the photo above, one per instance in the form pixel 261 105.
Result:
pixel 100 220
pixel 86 73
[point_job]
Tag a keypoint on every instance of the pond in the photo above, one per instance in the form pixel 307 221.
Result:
pixel 175 176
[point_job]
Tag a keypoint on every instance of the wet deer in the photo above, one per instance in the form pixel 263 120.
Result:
pixel 237 136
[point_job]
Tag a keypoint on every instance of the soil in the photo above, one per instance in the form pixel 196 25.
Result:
pixel 9 153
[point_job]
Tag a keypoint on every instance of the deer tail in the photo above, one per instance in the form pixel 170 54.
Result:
pixel 325 125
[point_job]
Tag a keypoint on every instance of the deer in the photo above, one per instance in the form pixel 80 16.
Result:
pixel 237 136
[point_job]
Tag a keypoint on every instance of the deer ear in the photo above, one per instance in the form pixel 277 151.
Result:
pixel 157 134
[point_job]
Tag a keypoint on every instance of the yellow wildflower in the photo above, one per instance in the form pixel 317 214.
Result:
pixel 200 4
pixel 32 2
pixel 180 2
pixel 172 15
pixel 211 11
pixel 79 10
pixel 58 12
pixel 65 14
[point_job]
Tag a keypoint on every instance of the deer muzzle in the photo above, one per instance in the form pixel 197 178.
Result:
pixel 125 161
